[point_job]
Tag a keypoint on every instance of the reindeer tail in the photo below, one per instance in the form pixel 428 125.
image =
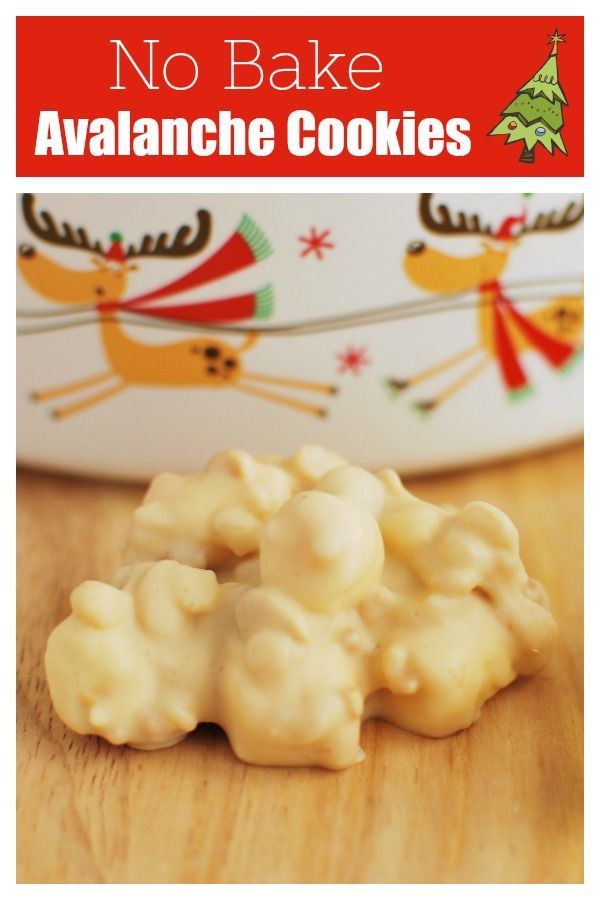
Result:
pixel 246 246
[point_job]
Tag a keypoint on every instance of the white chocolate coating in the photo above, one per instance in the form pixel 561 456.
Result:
pixel 290 600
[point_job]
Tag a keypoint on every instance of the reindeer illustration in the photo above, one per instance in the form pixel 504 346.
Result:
pixel 198 362
pixel 554 330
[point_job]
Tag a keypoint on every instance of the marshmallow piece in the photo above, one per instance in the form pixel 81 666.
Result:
pixel 168 593
pixel 357 485
pixel 201 520
pixel 407 527
pixel 238 529
pixel 99 605
pixel 312 462
pixel 323 550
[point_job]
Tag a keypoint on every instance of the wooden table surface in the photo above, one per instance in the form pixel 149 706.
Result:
pixel 501 802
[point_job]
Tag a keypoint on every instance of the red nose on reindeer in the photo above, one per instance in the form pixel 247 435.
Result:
pixel 504 233
pixel 115 251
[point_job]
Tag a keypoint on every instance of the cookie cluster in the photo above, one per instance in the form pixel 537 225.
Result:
pixel 288 600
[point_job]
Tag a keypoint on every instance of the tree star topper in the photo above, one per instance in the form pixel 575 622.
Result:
pixel 535 116
pixel 556 39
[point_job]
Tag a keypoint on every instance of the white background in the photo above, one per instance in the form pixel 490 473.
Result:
pixel 11 185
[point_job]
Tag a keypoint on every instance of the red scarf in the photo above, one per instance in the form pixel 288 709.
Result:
pixel 555 351
pixel 246 246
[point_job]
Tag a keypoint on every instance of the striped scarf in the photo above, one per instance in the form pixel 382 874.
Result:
pixel 556 352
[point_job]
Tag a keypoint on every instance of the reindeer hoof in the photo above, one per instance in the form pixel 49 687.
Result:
pixel 323 413
pixel 424 406
pixel 393 386
pixel 334 389
pixel 34 396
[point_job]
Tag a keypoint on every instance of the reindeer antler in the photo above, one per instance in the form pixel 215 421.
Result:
pixel 554 220
pixel 441 222
pixel 47 229
pixel 180 245
pixel 44 226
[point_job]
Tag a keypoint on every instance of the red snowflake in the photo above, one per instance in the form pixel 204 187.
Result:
pixel 352 359
pixel 316 243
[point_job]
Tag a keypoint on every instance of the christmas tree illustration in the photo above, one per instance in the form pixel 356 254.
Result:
pixel 535 116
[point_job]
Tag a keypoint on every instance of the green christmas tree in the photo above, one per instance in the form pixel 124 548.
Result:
pixel 535 116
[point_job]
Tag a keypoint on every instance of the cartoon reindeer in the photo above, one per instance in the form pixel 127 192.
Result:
pixel 199 362
pixel 504 332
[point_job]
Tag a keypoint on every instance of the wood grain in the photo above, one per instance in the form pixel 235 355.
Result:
pixel 501 802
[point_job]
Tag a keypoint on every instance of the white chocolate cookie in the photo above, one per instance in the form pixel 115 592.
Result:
pixel 288 600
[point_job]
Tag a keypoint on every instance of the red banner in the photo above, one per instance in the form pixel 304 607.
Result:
pixel 303 96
